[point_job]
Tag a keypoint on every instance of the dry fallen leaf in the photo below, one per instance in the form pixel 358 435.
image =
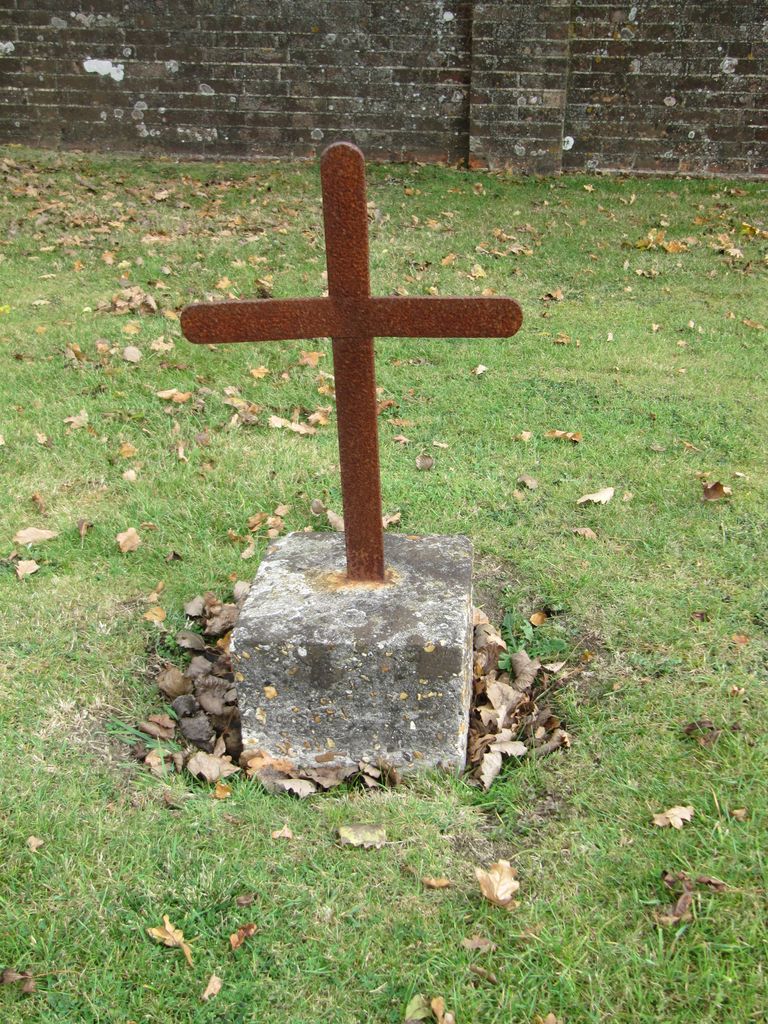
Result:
pixel 554 666
pixel 601 497
pixel 320 417
pixel 244 932
pixel 171 936
pixel 34 843
pixel 479 943
pixel 435 883
pixel 160 727
pixel 336 521
pixel 195 607
pixel 479 618
pixel 584 531
pixel 715 884
pixel 674 817
pixel 11 977
pixel 538 618
pixel 127 450
pixel 298 428
pixel 189 640
pixel 26 567
pixel 310 358
pixel 499 883
pixel 302 788
pixel 565 435
pixel 77 422
pixel 32 535
pixel 486 975
pixel 282 833
pixel 703 731
pixel 367 836
pixel 212 988
pixel 128 540
pixel 154 614
pixel 715 491
pixel 418 1009
pixel 174 395
pixel 679 912
pixel 209 767
pixel 441 1015
pixel 172 683
pixel 479 370
pixel 158 762
pixel 739 814
pixel 131 354
pixel 490 768
pixel 528 481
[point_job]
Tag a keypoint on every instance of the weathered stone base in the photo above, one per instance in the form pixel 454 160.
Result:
pixel 332 673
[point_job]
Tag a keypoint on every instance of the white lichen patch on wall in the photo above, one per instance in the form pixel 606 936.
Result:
pixel 198 134
pixel 105 67
pixel 95 20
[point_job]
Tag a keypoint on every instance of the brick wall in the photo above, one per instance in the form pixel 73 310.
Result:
pixel 535 86
pixel 518 89
pixel 675 86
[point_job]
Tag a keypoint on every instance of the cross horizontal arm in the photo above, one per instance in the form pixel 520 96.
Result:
pixel 383 316
pixel 258 320
pixel 436 317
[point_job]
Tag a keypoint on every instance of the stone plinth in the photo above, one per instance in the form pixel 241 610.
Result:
pixel 332 673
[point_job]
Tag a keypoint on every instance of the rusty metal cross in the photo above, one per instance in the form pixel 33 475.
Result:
pixel 351 317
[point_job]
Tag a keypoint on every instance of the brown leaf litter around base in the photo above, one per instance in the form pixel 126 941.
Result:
pixel 509 718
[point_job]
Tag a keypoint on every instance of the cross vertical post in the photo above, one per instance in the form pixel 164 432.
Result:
pixel 345 216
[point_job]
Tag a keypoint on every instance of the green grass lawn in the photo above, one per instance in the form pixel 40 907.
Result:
pixel 658 358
